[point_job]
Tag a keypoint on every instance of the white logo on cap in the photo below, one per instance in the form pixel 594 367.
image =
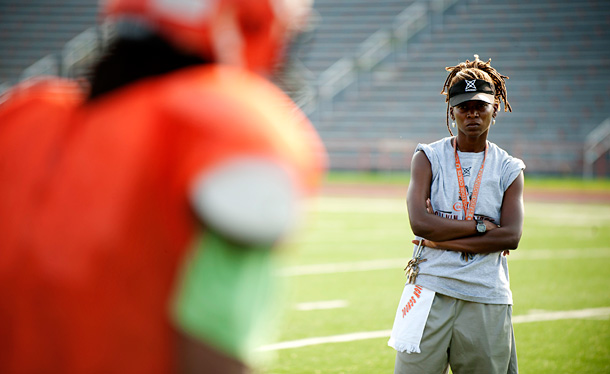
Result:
pixel 470 85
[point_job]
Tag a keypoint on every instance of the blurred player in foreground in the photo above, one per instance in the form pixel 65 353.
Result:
pixel 137 220
pixel 465 204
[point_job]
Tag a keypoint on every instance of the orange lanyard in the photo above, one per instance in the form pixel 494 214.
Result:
pixel 468 205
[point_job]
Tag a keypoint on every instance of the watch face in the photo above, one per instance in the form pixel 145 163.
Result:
pixel 481 226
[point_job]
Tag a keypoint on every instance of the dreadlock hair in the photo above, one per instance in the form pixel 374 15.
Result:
pixel 476 69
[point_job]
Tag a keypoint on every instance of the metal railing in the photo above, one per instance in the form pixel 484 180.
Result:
pixel 48 65
pixel 73 60
pixel 334 80
pixel 597 144
pixel 375 49
pixel 80 52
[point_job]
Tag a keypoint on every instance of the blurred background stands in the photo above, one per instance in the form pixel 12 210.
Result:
pixel 369 73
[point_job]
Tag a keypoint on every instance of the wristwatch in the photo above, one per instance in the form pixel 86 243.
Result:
pixel 481 228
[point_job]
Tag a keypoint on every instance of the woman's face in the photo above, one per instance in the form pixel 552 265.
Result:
pixel 474 117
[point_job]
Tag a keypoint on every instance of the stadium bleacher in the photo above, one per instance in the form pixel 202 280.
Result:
pixel 556 53
pixel 33 29
pixel 342 25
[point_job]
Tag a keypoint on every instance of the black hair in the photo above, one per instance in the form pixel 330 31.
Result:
pixel 127 60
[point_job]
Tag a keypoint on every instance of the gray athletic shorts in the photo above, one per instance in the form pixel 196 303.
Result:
pixel 472 338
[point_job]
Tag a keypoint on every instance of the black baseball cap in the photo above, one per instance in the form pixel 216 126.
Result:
pixel 475 89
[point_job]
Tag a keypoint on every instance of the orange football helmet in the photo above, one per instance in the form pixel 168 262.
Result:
pixel 248 33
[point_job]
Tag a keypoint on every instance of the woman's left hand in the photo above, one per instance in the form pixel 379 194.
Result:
pixel 426 243
pixel 429 206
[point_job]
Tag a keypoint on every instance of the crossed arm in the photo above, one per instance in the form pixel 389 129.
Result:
pixel 461 235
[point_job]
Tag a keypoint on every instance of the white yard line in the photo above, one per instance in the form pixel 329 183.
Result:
pixel 393 263
pixel 319 305
pixel 566 314
pixel 342 267
pixel 564 254
pixel 326 339
pixel 533 317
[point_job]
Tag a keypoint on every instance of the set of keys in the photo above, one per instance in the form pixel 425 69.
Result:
pixel 412 268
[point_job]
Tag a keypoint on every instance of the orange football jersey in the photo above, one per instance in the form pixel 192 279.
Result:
pixel 95 214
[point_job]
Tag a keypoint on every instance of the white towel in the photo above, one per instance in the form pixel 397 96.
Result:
pixel 411 317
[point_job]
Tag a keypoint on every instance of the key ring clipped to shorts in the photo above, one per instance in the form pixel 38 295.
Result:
pixel 412 268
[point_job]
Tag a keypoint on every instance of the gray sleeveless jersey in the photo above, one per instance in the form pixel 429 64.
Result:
pixel 481 278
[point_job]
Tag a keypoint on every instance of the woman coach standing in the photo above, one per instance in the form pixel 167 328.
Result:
pixel 465 205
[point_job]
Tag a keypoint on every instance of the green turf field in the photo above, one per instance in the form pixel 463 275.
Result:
pixel 345 277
